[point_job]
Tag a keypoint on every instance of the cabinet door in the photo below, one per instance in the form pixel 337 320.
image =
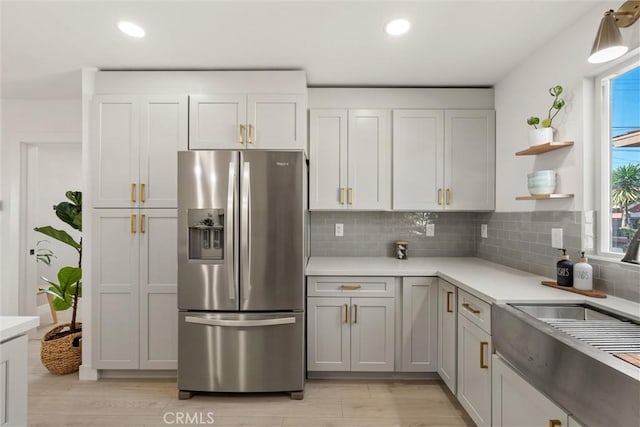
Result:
pixel 516 403
pixel 13 382
pixel 372 334
pixel 419 324
pixel 115 305
pixel 474 371
pixel 447 333
pixel 369 179
pixel 114 150
pixel 158 287
pixel 418 159
pixel 470 158
pixel 328 331
pixel 163 134
pixel 217 122
pixel 276 122
pixel 328 159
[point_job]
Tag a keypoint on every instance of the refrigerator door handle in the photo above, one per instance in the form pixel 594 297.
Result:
pixel 245 231
pixel 230 237
pixel 240 323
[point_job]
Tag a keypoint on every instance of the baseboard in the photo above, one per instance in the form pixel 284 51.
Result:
pixel 338 375
pixel 134 373
pixel 88 374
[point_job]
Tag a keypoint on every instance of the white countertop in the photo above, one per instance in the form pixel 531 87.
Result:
pixel 13 326
pixel 491 282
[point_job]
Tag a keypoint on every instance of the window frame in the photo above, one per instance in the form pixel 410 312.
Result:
pixel 603 164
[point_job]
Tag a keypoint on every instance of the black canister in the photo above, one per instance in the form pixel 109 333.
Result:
pixel 565 270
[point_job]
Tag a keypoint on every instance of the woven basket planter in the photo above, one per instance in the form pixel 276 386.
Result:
pixel 59 355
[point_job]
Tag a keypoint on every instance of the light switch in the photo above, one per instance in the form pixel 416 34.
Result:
pixel 431 229
pixel 339 230
pixel 556 238
pixel 483 231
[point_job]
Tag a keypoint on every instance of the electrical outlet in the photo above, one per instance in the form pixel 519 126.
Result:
pixel 483 231
pixel 339 230
pixel 431 229
pixel 556 238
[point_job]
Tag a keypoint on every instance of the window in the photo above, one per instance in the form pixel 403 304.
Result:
pixel 620 204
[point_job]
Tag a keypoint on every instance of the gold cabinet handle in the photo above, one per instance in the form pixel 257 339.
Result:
pixel 133 224
pixel 350 287
pixel 132 196
pixel 439 196
pixel 142 221
pixel 342 201
pixel 483 363
pixel 346 313
pixel 449 308
pixel 355 317
pixel 142 193
pixel 250 139
pixel 350 195
pixel 470 308
pixel 448 196
pixel 555 423
pixel 241 135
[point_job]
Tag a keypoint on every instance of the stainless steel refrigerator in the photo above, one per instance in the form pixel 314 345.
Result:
pixel 241 260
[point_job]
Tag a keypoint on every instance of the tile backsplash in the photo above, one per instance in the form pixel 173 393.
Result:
pixel 520 240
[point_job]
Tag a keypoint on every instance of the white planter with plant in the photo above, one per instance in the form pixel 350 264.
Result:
pixel 544 133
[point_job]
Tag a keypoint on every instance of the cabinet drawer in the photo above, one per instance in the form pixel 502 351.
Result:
pixel 350 286
pixel 474 309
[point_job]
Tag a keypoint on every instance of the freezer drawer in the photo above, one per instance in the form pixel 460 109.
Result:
pixel 241 352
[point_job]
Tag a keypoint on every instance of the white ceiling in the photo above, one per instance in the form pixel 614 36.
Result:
pixel 451 43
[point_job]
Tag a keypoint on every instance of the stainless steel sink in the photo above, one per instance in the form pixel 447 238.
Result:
pixel 566 351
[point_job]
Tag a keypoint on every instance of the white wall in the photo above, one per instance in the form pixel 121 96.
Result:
pixel 523 92
pixel 23 122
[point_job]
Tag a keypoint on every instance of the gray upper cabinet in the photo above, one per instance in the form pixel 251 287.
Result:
pixel 443 160
pixel 247 121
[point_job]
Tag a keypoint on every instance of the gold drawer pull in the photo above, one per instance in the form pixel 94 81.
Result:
pixel 132 196
pixel 241 135
pixel 483 363
pixel 350 287
pixel 342 200
pixel 448 196
pixel 555 423
pixel 133 224
pixel 250 139
pixel 142 193
pixel 350 195
pixel 470 308
pixel 439 196
pixel 346 313
pixel 355 318
pixel 142 221
pixel 449 308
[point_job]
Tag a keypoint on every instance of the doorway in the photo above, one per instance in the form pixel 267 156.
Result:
pixel 50 170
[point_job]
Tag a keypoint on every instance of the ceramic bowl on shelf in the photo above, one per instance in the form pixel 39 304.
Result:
pixel 541 182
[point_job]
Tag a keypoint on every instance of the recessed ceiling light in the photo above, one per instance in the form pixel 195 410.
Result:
pixel 397 27
pixel 131 29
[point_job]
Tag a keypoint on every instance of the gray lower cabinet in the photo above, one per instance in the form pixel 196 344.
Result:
pixel 447 333
pixel 351 325
pixel 419 324
pixel 134 274
pixel 13 382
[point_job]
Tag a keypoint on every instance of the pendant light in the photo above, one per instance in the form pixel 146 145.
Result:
pixel 609 44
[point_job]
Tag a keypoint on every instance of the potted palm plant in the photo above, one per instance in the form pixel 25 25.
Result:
pixel 544 133
pixel 61 351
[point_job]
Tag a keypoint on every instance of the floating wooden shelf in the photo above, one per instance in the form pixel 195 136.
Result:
pixel 593 293
pixel 544 148
pixel 545 197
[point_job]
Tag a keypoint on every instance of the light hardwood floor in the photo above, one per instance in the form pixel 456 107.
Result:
pixel 65 401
